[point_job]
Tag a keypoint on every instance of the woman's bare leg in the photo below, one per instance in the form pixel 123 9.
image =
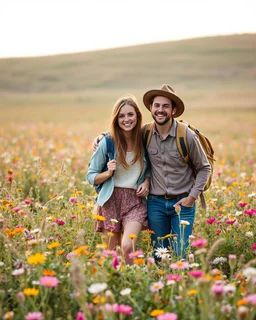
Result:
pixel 112 241
pixel 127 244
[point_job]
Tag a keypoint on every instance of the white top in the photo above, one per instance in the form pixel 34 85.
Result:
pixel 127 178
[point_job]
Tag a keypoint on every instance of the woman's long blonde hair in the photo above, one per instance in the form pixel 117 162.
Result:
pixel 118 135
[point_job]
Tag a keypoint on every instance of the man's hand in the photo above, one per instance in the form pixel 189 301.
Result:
pixel 96 142
pixel 143 189
pixel 186 202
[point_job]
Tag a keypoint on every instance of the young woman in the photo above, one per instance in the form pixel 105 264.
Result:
pixel 126 180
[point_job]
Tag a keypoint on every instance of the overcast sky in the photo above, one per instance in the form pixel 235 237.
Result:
pixel 43 27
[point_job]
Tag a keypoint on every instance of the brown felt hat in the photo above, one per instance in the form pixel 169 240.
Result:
pixel 165 91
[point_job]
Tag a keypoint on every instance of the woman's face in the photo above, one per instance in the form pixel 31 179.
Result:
pixel 127 118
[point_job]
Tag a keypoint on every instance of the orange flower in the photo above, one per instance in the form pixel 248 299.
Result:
pixel 241 302
pixel 60 252
pixel 50 273
pixel 132 236
pixel 139 261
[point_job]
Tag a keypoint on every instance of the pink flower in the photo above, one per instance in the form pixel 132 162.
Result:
pixel 16 209
pixel 217 232
pixel 196 273
pixel 135 254
pixel 111 253
pixel 242 204
pixel 72 217
pixel 122 308
pixel 251 212
pixel 59 222
pixel 115 262
pixel 111 228
pixel 230 221
pixel 210 220
pixel 34 316
pixel 48 281
pixel 73 200
pixel 254 246
pixel 80 316
pixel 199 243
pixel 175 277
pixel 217 289
pixel 156 286
pixel 167 316
pixel 27 201
pixel 251 299
pixel 180 265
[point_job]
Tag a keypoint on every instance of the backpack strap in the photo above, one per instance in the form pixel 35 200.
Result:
pixel 181 140
pixel 110 147
pixel 147 131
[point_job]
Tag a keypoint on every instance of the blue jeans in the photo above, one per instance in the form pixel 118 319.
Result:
pixel 164 220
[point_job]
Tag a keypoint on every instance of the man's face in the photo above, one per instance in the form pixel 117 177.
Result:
pixel 162 110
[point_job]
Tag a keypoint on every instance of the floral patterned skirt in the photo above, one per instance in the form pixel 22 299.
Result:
pixel 123 206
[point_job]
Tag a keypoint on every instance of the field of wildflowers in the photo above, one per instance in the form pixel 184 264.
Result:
pixel 53 265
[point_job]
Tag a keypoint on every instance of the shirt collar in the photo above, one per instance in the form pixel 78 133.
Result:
pixel 172 132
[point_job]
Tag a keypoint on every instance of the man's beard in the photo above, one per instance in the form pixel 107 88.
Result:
pixel 167 119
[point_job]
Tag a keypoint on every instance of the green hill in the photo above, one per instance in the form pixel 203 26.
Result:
pixel 210 63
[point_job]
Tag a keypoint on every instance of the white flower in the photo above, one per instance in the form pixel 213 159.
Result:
pixel 160 252
pixel 114 221
pixel 249 273
pixel 37 230
pixel 219 260
pixel 238 213
pixel 125 292
pixel 230 289
pixel 252 195
pixel 35 282
pixel 18 272
pixel 184 223
pixel 194 265
pixel 1 263
pixel 97 287
pixel 249 234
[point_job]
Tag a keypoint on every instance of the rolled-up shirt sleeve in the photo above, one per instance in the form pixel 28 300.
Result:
pixel 98 161
pixel 201 166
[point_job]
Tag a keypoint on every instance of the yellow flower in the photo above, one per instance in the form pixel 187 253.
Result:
pixel 82 251
pixel 132 236
pixel 37 258
pixel 98 217
pixel 31 292
pixel 101 246
pixel 98 300
pixel 161 272
pixel 53 245
pixel 69 242
pixel 60 252
pixel 192 292
pixel 156 312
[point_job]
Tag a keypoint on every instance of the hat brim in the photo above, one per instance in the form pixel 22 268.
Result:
pixel 148 96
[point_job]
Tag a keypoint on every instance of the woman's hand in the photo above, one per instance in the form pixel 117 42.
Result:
pixel 111 167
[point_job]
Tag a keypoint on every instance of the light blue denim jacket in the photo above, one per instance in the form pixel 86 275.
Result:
pixel 98 161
